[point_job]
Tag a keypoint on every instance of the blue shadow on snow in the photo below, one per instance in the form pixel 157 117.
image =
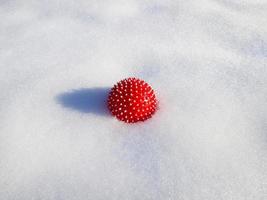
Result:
pixel 86 100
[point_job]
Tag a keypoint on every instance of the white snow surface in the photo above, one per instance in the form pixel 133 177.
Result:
pixel 205 59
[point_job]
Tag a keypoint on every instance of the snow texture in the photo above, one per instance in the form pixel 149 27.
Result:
pixel 206 60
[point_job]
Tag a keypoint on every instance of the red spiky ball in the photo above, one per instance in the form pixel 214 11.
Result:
pixel 132 100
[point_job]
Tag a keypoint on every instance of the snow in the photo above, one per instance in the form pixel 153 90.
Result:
pixel 206 60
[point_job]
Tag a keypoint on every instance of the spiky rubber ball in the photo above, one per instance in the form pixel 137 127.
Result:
pixel 132 100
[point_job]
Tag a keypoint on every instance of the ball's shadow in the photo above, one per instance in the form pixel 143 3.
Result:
pixel 85 100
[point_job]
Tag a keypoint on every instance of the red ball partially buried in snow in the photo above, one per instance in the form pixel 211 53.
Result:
pixel 132 100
